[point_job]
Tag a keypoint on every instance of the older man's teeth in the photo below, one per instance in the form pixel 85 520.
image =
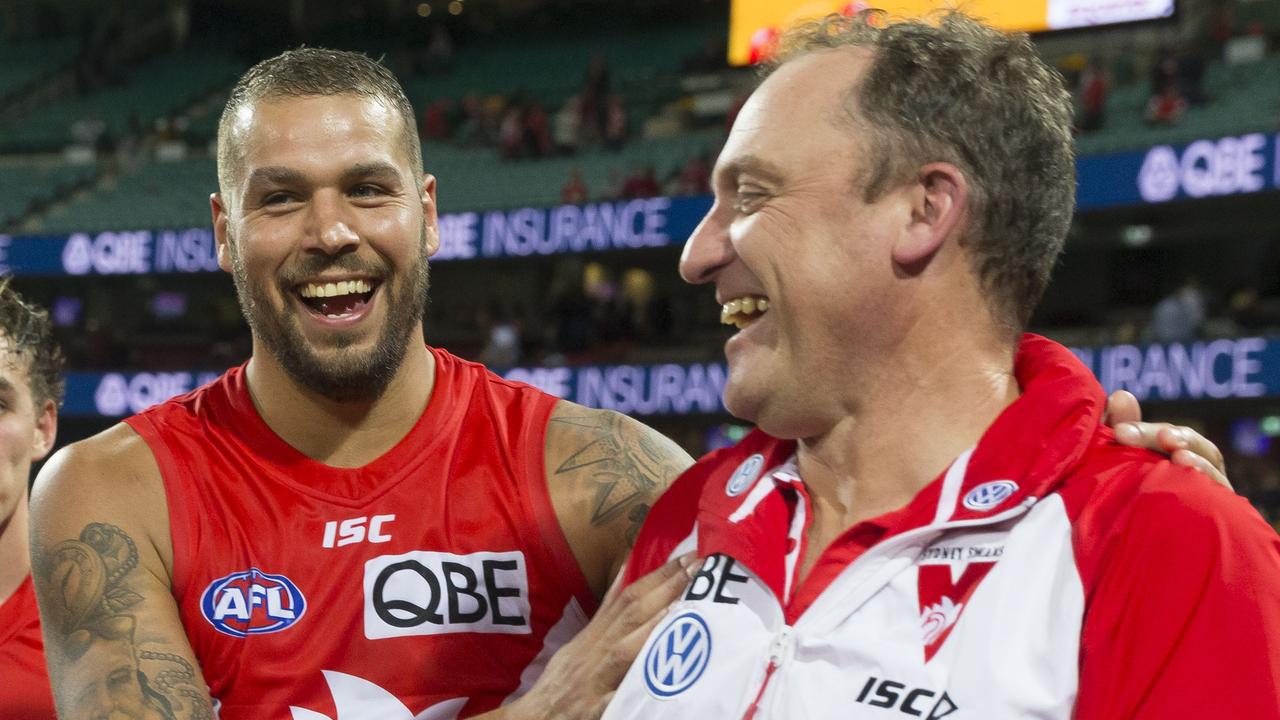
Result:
pixel 742 311
pixel 334 289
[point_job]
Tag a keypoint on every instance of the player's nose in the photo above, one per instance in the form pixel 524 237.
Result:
pixel 330 228
pixel 707 250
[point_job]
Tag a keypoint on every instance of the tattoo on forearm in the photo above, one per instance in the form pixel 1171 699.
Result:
pixel 626 466
pixel 91 611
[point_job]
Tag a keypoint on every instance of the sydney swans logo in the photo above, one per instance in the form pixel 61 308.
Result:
pixel 358 699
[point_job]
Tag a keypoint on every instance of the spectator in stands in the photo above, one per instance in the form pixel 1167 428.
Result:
pixel 613 190
pixel 537 130
pixel 1164 70
pixel 565 126
pixel 642 183
pixel 88 130
pixel 615 123
pixel 1180 316
pixel 1168 107
pixel 511 137
pixel 574 191
pixel 502 348
pixel 695 177
pixel 435 121
pixel 1094 87
pixel 439 50
pixel 595 91
pixel 571 309
pixel 471 131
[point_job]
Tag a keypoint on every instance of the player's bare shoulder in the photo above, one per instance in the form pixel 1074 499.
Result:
pixel 604 471
pixel 101 561
pixel 111 472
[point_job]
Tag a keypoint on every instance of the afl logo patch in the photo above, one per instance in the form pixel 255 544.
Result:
pixel 252 602
pixel 678 656
pixel 744 476
pixel 990 494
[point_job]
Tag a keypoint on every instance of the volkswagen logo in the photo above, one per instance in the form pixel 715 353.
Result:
pixel 678 656
pixel 990 494
pixel 746 474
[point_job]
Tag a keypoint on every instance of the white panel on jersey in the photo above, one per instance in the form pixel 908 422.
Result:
pixel 570 623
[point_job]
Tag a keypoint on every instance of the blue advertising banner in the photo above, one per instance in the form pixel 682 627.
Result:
pixel 1207 370
pixel 663 389
pixel 1204 168
pixel 622 225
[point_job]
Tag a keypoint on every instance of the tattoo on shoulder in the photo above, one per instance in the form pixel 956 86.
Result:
pixel 624 463
pixel 92 610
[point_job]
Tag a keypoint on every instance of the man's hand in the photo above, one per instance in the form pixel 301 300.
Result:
pixel 1183 445
pixel 582 676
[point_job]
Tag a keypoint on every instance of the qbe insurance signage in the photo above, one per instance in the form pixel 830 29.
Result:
pixel 1233 165
pixel 523 232
pixel 1223 369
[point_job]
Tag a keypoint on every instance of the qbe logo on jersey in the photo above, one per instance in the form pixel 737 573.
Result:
pixel 678 656
pixel 433 593
pixel 252 602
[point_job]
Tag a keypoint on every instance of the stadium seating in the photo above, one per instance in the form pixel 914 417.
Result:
pixel 157 195
pixel 1243 98
pixel 24 183
pixel 25 63
pixel 157 88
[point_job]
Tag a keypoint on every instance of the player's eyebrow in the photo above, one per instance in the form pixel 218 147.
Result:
pixel 753 165
pixel 376 170
pixel 273 175
pixel 5 385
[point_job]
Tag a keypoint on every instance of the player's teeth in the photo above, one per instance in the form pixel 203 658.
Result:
pixel 762 305
pixel 748 305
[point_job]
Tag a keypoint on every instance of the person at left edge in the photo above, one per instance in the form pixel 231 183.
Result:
pixel 30 392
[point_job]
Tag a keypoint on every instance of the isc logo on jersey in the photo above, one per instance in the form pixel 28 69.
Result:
pixel 252 602
pixel 433 593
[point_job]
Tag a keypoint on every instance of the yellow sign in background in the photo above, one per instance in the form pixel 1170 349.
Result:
pixel 747 17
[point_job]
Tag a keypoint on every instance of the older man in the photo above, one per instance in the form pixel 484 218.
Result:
pixel 931 520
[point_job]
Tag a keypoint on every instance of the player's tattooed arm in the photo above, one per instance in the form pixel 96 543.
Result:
pixel 605 470
pixel 113 640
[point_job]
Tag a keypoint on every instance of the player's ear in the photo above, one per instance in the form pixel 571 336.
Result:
pixel 46 430
pixel 430 216
pixel 221 238
pixel 938 203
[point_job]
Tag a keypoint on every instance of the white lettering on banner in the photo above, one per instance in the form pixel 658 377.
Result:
pixel 553 381
pixel 108 253
pixel 1206 168
pixel 518 233
pixel 118 394
pixel 656 390
pixel 186 251
pixel 1217 369
pixel 457 236
pixel 572 228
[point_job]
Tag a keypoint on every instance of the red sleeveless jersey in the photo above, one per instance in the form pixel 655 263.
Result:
pixel 24 690
pixel 434 582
